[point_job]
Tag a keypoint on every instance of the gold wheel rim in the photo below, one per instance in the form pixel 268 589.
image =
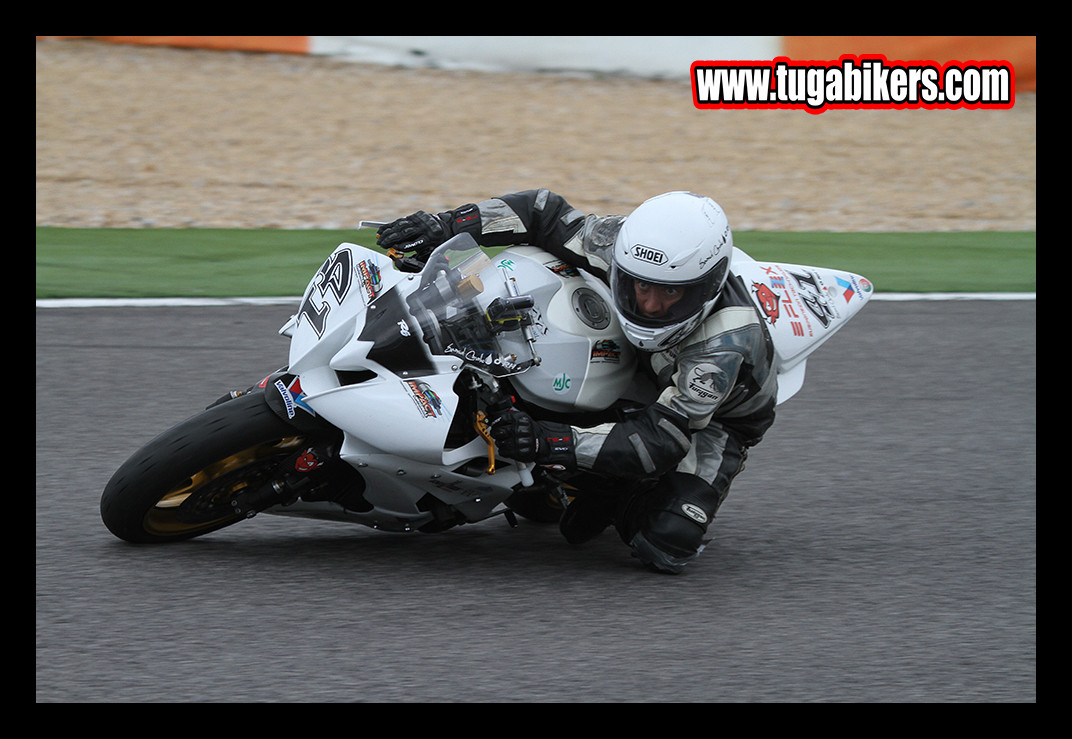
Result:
pixel 213 488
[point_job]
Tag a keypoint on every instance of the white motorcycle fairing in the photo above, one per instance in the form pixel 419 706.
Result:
pixel 377 353
pixel 803 307
pixel 385 356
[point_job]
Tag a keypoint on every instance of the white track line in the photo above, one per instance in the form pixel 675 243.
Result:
pixel 215 302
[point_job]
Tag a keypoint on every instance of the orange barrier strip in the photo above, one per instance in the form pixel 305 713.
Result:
pixel 281 44
pixel 1017 50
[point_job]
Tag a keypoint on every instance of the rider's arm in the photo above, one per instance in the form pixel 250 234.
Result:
pixel 536 217
pixel 654 440
pixel 722 374
pixel 545 219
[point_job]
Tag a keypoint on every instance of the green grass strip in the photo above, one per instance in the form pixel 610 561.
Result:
pixel 126 263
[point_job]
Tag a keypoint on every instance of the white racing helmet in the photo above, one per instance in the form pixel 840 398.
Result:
pixel 678 245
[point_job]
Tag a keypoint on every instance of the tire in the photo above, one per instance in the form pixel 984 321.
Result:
pixel 182 483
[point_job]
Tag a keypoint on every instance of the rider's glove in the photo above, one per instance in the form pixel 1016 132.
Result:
pixel 523 439
pixel 422 232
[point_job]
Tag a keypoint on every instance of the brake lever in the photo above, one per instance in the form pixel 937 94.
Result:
pixel 481 424
pixel 524 469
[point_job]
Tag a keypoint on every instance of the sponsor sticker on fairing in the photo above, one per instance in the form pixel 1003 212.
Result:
pixel 427 400
pixel 368 274
pixel 293 397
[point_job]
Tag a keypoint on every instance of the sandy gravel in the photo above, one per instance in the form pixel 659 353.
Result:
pixel 136 136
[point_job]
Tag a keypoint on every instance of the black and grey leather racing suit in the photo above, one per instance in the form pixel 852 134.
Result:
pixel 715 389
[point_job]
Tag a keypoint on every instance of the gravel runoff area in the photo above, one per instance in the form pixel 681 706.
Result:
pixel 131 136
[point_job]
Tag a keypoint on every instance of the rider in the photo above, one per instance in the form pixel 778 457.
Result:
pixel 659 474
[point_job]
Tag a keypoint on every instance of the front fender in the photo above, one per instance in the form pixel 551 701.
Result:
pixel 282 393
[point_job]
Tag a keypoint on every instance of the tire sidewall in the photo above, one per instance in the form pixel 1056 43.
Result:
pixel 179 453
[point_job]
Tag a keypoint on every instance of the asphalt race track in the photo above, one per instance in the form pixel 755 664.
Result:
pixel 880 547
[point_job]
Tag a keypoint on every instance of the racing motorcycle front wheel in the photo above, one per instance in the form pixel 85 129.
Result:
pixel 210 471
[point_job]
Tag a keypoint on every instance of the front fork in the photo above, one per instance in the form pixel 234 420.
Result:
pixel 313 471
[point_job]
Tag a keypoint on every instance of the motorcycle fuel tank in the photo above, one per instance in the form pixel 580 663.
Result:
pixel 586 364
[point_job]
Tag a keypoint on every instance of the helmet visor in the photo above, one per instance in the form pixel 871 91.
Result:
pixel 659 304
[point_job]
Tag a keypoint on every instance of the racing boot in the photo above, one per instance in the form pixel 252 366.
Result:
pixel 541 503
pixel 587 516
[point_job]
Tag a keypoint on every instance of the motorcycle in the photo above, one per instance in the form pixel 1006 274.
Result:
pixel 380 416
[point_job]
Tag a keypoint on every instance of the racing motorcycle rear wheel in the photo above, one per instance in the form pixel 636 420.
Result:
pixel 210 471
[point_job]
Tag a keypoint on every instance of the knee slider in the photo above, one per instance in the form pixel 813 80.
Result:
pixel 677 529
pixel 667 542
pixel 677 519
